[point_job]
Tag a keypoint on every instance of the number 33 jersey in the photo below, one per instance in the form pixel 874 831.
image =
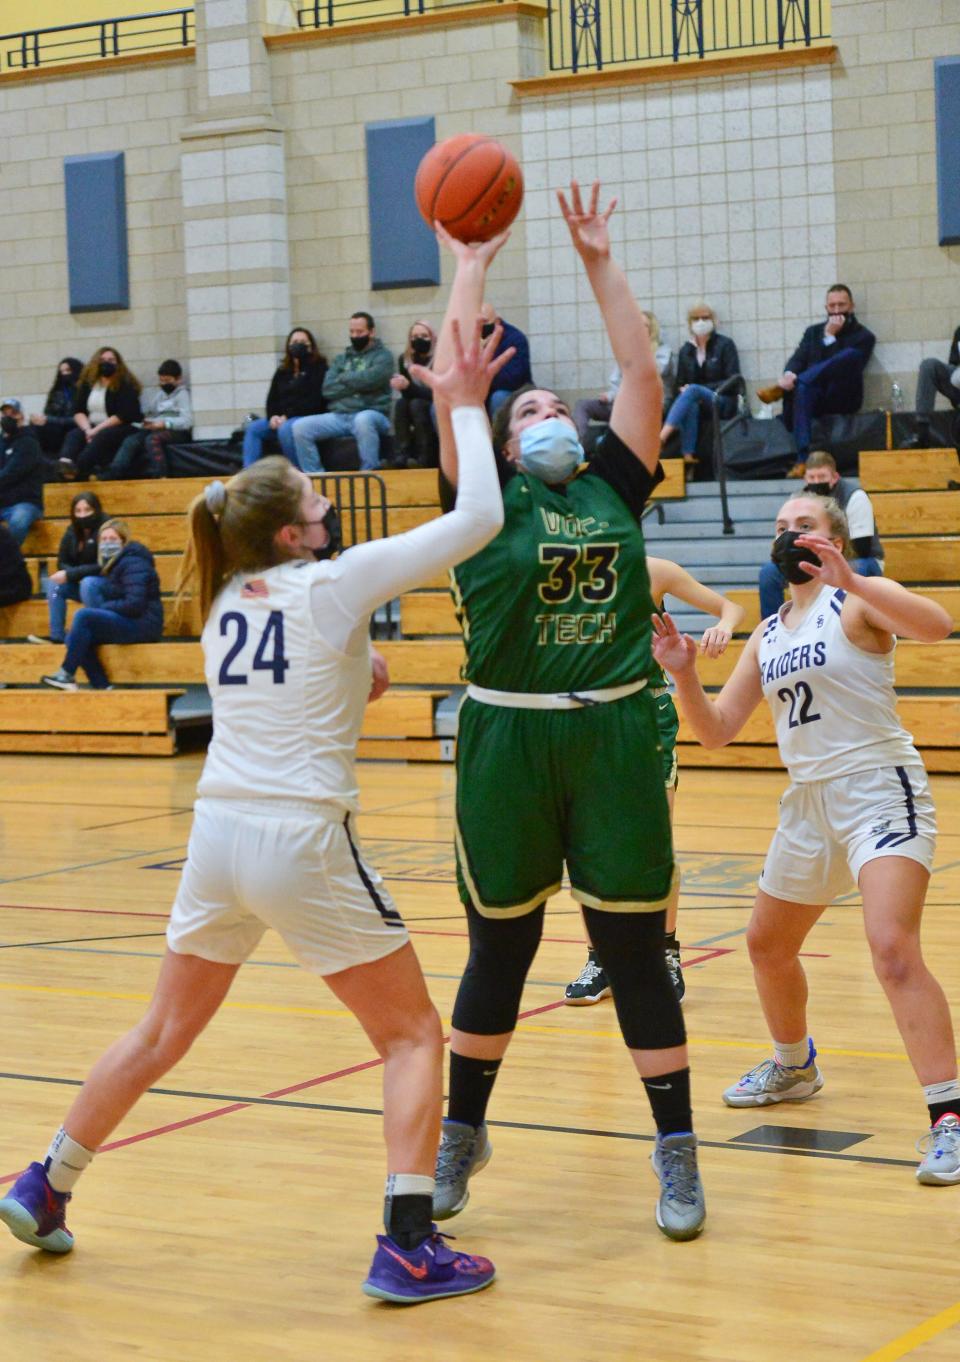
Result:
pixel 834 705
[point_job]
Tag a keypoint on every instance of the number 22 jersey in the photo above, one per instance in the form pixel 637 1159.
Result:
pixel 833 704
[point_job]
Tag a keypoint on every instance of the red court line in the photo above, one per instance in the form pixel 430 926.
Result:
pixel 95 912
pixel 245 1106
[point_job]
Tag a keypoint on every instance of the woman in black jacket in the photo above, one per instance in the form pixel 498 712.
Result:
pixel 417 443
pixel 107 407
pixel 15 584
pixel 705 361
pixel 77 577
pixel 55 423
pixel 130 609
pixel 296 390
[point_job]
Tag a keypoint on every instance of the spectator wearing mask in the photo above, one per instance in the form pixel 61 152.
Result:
pixel 15 584
pixel 417 443
pixel 515 374
pixel 705 361
pixel 108 409
pixel 824 375
pixel 77 577
pixel 167 416
pixel 21 471
pixel 822 479
pixel 130 609
pixel 359 397
pixel 296 390
pixel 54 423
pixel 599 408
pixel 935 377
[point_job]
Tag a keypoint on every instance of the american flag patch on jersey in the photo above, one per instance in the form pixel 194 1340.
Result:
pixel 255 590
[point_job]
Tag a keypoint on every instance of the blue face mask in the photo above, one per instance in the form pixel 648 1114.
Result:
pixel 550 450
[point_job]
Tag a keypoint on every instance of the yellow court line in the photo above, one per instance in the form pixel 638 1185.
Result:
pixel 145 998
pixel 922 1333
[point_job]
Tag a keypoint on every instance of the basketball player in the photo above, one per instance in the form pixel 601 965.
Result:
pixel 559 714
pixel 592 984
pixel 287 659
pixel 858 807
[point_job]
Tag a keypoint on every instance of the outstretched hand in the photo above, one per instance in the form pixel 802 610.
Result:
pixel 588 226
pixel 674 651
pixel 833 569
pixel 482 252
pixel 467 381
pixel 714 641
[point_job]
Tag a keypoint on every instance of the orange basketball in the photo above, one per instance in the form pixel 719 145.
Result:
pixel 471 184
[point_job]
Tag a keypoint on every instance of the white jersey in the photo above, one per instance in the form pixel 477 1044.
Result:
pixel 834 705
pixel 287 650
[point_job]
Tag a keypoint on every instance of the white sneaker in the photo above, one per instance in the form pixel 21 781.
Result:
pixel 941 1149
pixel 771 1082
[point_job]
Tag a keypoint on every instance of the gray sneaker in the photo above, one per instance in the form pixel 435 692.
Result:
pixel 681 1210
pixel 771 1082
pixel 463 1151
pixel 61 680
pixel 941 1150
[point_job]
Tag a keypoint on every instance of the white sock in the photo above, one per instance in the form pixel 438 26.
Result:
pixel 794 1056
pixel 948 1091
pixel 409 1184
pixel 66 1160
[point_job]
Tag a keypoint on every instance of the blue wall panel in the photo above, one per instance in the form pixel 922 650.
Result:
pixel 403 250
pixel 946 80
pixel 96 232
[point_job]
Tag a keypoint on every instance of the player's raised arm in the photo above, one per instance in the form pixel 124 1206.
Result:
pixel 714 722
pixel 667 578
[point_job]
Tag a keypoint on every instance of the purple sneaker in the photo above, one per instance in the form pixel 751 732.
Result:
pixel 34 1212
pixel 426 1273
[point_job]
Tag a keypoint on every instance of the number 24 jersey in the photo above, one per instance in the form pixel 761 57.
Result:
pixel 834 705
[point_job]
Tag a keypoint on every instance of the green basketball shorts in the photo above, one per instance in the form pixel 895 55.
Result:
pixel 540 788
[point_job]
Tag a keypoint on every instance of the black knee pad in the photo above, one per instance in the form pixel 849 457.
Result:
pixel 631 950
pixel 501 953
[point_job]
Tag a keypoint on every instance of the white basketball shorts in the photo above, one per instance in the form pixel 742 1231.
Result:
pixel 830 829
pixel 250 867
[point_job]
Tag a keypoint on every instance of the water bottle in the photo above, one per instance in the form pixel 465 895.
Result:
pixel 896 397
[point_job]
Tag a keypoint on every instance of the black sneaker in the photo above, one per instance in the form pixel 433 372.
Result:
pixel 590 986
pixel 676 971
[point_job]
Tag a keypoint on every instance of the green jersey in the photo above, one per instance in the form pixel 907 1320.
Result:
pixel 560 599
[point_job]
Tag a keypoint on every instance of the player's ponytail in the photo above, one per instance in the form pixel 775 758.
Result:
pixel 233 527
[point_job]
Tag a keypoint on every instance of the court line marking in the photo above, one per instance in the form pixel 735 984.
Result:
pixel 69 940
pixel 240 1101
pixel 90 865
pixel 144 818
pixel 921 1333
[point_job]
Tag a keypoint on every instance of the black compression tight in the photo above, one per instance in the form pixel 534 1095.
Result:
pixel 630 946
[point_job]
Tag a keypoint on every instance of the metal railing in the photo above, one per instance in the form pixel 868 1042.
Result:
pixel 737 384
pixel 328 13
pixel 99 38
pixel 361 502
pixel 594 34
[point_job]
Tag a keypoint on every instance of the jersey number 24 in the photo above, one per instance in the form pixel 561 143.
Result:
pixel 271 638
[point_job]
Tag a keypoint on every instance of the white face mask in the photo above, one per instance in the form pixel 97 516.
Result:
pixel 702 326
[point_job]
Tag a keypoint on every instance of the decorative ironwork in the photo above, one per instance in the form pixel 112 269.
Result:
pixel 102 38
pixel 585 34
pixel 686 18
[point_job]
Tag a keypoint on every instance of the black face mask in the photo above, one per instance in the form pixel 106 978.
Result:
pixel 335 543
pixel 107 368
pixel 421 345
pixel 817 489
pixel 168 387
pixel 300 352
pixel 65 380
pixel 360 342
pixel 788 557
pixel 9 425
pixel 488 329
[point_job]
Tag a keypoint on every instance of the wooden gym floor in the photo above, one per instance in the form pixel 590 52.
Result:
pixel 233 1219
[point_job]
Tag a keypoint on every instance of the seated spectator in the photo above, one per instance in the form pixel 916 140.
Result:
pixel 77 577
pixel 417 443
pixel 599 408
pixel 358 393
pixel 108 409
pixel 705 361
pixel 167 416
pixel 824 375
pixel 822 479
pixel 21 471
pixel 52 426
pixel 130 609
pixel 296 389
pixel 515 374
pixel 935 377
pixel 15 583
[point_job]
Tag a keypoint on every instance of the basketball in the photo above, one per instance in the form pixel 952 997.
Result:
pixel 471 184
